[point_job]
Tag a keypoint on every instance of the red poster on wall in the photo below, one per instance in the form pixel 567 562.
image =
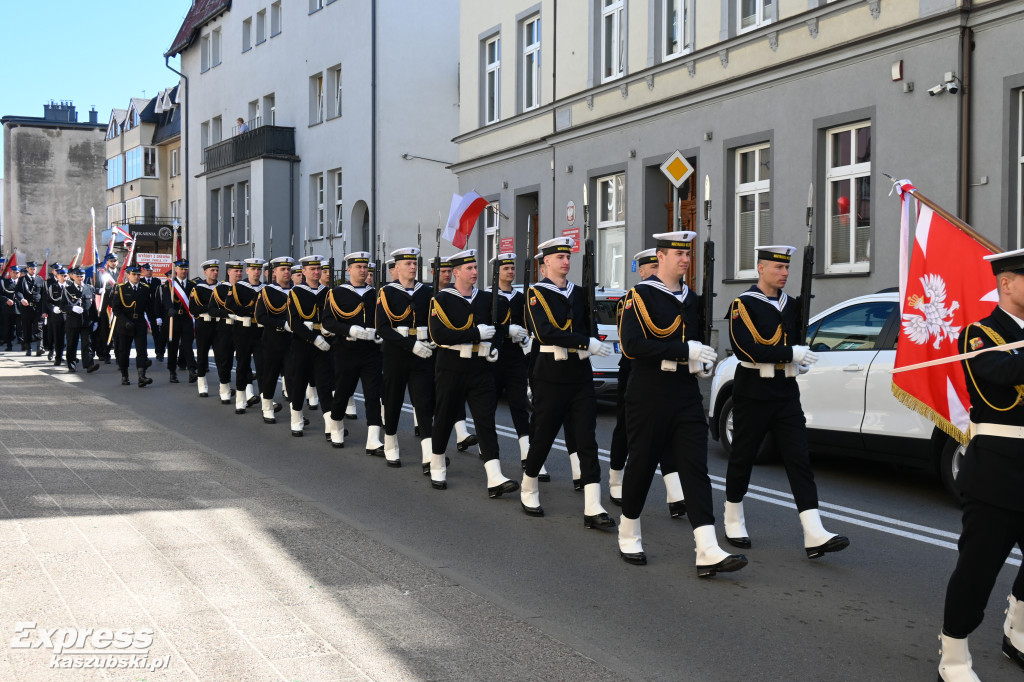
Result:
pixel 573 232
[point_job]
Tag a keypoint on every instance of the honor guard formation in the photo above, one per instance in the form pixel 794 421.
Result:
pixel 451 346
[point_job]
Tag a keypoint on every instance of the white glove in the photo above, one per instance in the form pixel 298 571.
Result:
pixel 321 343
pixel 701 353
pixel 308 324
pixel 492 355
pixel 77 309
pixel 159 321
pixel 527 345
pixel 802 355
pixel 287 327
pixel 803 369
pixel 422 350
pixel 369 334
pixel 95 326
pixel 516 333
pixel 599 348
pixel 486 332
pixel 56 309
pixel 377 338
pixel 355 333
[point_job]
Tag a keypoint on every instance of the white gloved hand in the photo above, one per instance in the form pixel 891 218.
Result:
pixel 803 369
pixel 599 348
pixel 421 350
pixel 77 309
pixel 56 309
pixel 321 343
pixel 486 332
pixel 287 327
pixel 516 333
pixel 356 333
pixel 701 353
pixel 377 338
pixel 527 345
pixel 159 321
pixel 492 354
pixel 802 355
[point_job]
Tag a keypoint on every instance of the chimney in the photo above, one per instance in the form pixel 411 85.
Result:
pixel 94 115
pixel 62 113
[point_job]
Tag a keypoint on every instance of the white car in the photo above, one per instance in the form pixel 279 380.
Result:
pixel 847 397
pixel 606 370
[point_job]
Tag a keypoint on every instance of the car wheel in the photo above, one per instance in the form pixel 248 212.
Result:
pixel 725 427
pixel 949 465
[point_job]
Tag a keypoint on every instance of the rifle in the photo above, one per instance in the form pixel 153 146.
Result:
pixel 344 248
pixel 495 267
pixel 419 247
pixel 436 282
pixel 707 294
pixel 378 266
pixel 808 272
pixel 589 270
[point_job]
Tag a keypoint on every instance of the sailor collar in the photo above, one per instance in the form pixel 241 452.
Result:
pixel 211 287
pixel 398 285
pixel 455 292
pixel 275 285
pixel 657 284
pixel 754 292
pixel 356 290
pixel 508 294
pixel 309 289
pixel 254 287
pixel 548 284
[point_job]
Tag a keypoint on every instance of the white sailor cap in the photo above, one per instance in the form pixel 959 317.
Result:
pixel 311 261
pixel 357 257
pixel 463 258
pixel 282 260
pixel 297 268
pixel 1007 261
pixel 233 265
pixel 371 265
pixel 646 256
pixel 409 253
pixel 389 263
pixel 212 263
pixel 445 262
pixel 682 239
pixel 778 253
pixel 556 245
pixel 506 258
pixel 254 262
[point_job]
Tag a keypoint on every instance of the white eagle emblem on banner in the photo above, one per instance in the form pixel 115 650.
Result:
pixel 932 317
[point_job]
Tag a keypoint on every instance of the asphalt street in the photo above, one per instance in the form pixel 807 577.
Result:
pixel 871 612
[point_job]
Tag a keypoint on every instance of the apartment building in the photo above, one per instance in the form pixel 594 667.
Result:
pixel 765 98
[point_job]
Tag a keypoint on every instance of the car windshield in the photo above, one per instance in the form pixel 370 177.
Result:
pixel 853 328
pixel 606 310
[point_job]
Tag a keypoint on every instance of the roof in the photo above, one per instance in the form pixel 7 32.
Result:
pixel 201 12
pixel 40 122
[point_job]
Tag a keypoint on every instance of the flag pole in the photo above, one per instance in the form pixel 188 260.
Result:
pixel 952 219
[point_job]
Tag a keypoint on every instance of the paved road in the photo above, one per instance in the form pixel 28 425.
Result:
pixel 869 613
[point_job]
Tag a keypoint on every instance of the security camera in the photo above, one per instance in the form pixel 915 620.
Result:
pixel 937 90
pixel 952 87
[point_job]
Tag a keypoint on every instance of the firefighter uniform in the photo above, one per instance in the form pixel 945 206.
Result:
pixel 132 306
pixel 181 329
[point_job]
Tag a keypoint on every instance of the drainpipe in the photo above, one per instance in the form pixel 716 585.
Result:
pixel 184 136
pixel 554 116
pixel 964 68
pixel 373 129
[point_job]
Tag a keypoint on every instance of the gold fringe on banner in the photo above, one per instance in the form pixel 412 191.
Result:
pixel 929 413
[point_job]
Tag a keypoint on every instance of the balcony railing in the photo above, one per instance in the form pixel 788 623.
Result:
pixel 252 144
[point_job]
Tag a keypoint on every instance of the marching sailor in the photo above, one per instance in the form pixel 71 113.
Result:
pixel 991 477
pixel 467 339
pixel 200 301
pixel 247 333
pixel 224 342
pixel 562 381
pixel 660 332
pixel 132 306
pixel 182 325
pixel 763 326
pixel 272 314
pixel 350 314
pixel 309 355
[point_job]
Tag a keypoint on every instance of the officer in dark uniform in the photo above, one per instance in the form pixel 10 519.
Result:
pixel 467 339
pixel 200 300
pixel 132 306
pixel 181 325
pixel 161 320
pixel 224 342
pixel 562 380
pixel 350 314
pixel 55 315
pixel 8 306
pixel 79 314
pixel 764 328
pixel 660 332
pixel 29 291
pixel 401 320
pixel 272 313
pixel 104 281
pixel 510 369
pixel 463 438
pixel 991 477
pixel 309 354
pixel 247 333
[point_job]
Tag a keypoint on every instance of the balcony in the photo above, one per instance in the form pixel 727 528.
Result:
pixel 263 142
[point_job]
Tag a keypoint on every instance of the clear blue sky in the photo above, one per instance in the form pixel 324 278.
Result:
pixel 94 54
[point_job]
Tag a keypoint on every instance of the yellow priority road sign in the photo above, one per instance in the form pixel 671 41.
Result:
pixel 676 169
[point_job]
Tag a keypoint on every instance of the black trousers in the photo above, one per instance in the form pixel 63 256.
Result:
pixel 179 344
pixel 469 382
pixel 784 419
pixel 100 344
pixel 8 325
pixel 355 361
pixel 274 348
pixel 247 342
pixel 510 379
pixel 206 336
pixel 73 336
pixel 55 329
pixel 224 351
pixel 160 338
pixel 667 427
pixel 123 347
pixel 29 316
pixel 988 535
pixel 403 369
pixel 575 406
pixel 307 364
pixel 619 450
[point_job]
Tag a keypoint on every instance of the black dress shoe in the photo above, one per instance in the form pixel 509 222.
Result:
pixel 532 511
pixel 499 490
pixel 545 477
pixel 416 431
pixel 125 381
pixel 599 521
pixel 395 464
pixel 733 562
pixel 375 452
pixel 92 368
pixel 1012 653
pixel 28 354
pixel 204 395
pixel 106 361
pixel 305 421
pixel 269 420
pixel 239 411
pixel 676 510
pixel 174 378
pixel 313 408
pixel 252 401
pixel 277 407
pixel 328 437
pixel 57 362
pixel 742 543
pixel 49 356
pixel 159 358
pixel 438 485
pixel 577 484
pixel 836 543
pixel 523 463
pixel 71 369
pixel 351 415
pixel 617 501
pixel 297 434
pixel 635 558
pixel 468 442
pixel 337 445
pixel 192 376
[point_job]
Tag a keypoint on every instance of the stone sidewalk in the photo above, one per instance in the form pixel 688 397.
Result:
pixel 125 544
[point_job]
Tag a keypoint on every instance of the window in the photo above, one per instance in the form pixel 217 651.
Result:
pixel 204 53
pixel 275 18
pixel 848 180
pixel 334 86
pixel 1020 168
pixel 175 169
pixel 318 205
pixel 247 35
pixel 113 130
pixel 316 99
pixel 261 26
pixel 215 218
pixel 149 162
pixel 133 164
pixel 491 236
pixel 215 130
pixel 214 47
pixel 676 28
pixel 204 134
pixel 232 224
pixel 254 114
pixel 531 63
pixel 856 327
pixel 115 171
pixel 175 211
pixel 115 214
pixel 492 79
pixel 246 204
pixel 611 230
pixel 140 210
pixel 269 106
pixel 754 13
pixel 338 205
pixel 315 5
pixel 613 39
pixel 753 206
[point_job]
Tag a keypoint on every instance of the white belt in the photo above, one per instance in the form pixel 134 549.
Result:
pixel 1001 430
pixel 206 317
pixel 227 320
pixel 466 350
pixel 562 353
pixel 767 369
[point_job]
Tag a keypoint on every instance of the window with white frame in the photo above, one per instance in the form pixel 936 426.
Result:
pixel 232 207
pixel 611 231
pixel 1020 168
pixel 676 28
pixel 149 162
pixel 174 167
pixel 270 107
pixel 339 216
pixel 613 39
pixel 247 34
pixel 261 26
pixel 215 218
pixel 140 210
pixel 204 135
pixel 204 53
pixel 275 18
pixel 531 63
pixel 115 171
pixel 318 205
pixel 491 239
pixel 215 47
pixel 133 164
pixel 246 205
pixel 175 210
pixel 753 206
pixel 753 13
pixel 315 5
pixel 334 87
pixel 113 130
pixel 492 79
pixel 216 129
pixel 316 99
pixel 115 214
pixel 848 180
